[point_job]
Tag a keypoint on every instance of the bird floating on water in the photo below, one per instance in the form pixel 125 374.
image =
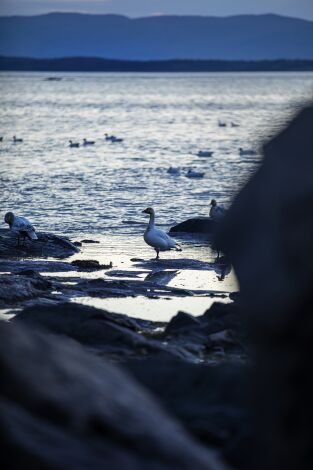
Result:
pixel 205 153
pixel 195 174
pixel 16 140
pixel 1 139
pixel 172 170
pixel 216 212
pixel 222 124
pixel 157 238
pixel 112 138
pixel 20 226
pixel 234 124
pixel 73 145
pixel 88 142
pixel 246 152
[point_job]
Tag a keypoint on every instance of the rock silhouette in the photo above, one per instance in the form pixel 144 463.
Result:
pixel 268 235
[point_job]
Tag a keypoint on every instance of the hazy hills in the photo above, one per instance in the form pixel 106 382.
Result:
pixel 245 37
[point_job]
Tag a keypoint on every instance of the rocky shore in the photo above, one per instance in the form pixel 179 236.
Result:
pixel 160 360
pixel 86 388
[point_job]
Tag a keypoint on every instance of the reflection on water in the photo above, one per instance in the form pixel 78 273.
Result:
pixel 152 309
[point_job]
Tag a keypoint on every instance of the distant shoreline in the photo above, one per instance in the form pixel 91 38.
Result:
pixel 97 64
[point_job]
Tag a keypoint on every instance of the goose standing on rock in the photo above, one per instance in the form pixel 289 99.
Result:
pixel 216 212
pixel 157 238
pixel 20 226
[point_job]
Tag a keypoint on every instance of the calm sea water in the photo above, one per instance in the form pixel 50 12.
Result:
pixel 164 119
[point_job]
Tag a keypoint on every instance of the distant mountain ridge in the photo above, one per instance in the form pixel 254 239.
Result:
pixel 244 37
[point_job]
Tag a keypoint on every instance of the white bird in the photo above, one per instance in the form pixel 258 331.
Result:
pixel 205 153
pixel 20 226
pixel 16 140
pixel 156 238
pixel 88 142
pixel 172 170
pixel 194 174
pixel 216 212
pixel 246 152
pixel 73 145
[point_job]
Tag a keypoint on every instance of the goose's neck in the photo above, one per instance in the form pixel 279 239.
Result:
pixel 151 221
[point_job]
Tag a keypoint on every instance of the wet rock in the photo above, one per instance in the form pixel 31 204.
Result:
pixel 205 225
pixel 268 235
pixel 223 316
pixel 161 277
pixel 16 288
pixel 181 321
pixel 174 264
pixel 110 334
pixel 90 264
pixel 89 241
pixel 47 245
pixel 219 329
pixel 64 408
pixel 15 266
pixel 126 273
pixel 104 288
pixel 77 244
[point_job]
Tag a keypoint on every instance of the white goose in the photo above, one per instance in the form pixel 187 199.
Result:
pixel 156 238
pixel 20 226
pixel 216 212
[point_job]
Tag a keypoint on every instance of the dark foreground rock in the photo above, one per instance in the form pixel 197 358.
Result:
pixel 47 245
pixel 214 337
pixel 271 251
pixel 64 408
pixel 203 225
pixel 211 402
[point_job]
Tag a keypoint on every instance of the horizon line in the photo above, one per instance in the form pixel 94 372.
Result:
pixel 159 15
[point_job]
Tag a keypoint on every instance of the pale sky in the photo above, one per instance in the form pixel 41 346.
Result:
pixel 137 8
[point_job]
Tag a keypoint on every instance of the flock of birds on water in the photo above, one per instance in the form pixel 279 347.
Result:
pixel 158 239
pixel 176 171
pixel 153 236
